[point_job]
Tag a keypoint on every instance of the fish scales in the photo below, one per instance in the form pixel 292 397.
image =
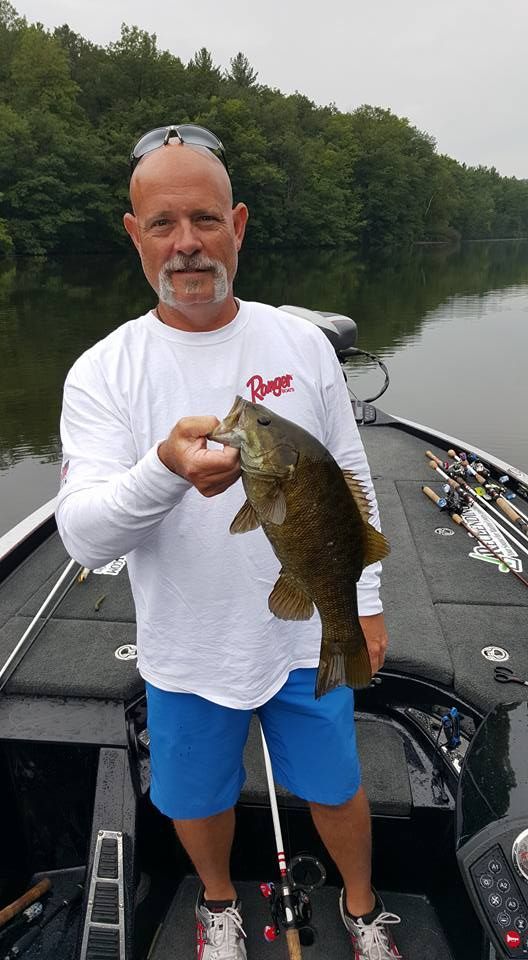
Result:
pixel 316 524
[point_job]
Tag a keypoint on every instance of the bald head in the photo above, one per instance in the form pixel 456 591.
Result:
pixel 179 160
pixel 187 231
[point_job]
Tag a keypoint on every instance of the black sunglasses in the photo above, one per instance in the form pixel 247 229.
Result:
pixel 185 133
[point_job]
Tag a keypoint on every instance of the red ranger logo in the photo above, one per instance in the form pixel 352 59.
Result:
pixel 260 388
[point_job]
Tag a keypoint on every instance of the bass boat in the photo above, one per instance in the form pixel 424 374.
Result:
pixel 89 870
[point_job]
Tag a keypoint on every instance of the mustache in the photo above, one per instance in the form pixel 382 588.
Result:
pixel 181 264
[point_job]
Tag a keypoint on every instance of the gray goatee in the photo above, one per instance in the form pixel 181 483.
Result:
pixel 180 262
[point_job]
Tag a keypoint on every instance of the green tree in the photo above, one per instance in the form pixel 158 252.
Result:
pixel 241 71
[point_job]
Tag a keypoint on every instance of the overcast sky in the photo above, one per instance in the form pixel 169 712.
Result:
pixel 456 68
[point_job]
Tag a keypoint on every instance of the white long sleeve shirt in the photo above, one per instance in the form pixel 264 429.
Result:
pixel 201 594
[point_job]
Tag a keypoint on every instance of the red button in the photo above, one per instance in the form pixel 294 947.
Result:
pixel 512 939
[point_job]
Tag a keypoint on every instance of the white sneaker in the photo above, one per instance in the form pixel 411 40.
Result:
pixel 371 941
pixel 219 936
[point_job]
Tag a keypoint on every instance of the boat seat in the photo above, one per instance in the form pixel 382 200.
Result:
pixel 385 773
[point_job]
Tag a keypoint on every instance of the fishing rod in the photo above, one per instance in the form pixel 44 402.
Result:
pixel 27 639
pixel 28 938
pixel 434 464
pixel 456 471
pixel 516 478
pixel 27 898
pixel 291 906
pixel 499 493
pixel 471 499
pixel 443 504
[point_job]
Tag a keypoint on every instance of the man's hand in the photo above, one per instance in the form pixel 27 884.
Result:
pixel 375 634
pixel 185 453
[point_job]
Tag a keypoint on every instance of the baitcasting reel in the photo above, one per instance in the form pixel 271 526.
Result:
pixel 305 873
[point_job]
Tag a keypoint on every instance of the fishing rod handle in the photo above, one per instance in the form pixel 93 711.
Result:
pixel 438 467
pixel 510 511
pixel 27 898
pixel 432 495
pixel 432 456
pixel 294 944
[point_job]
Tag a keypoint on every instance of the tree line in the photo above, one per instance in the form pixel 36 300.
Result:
pixel 312 176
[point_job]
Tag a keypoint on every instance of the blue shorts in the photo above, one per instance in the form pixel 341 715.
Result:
pixel 196 747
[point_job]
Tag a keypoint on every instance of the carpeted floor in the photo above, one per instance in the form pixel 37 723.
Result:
pixel 419 936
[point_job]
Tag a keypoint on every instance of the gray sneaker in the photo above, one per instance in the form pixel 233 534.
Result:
pixel 219 936
pixel 371 941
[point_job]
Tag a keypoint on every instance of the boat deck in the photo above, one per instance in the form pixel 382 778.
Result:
pixel 442 607
pixel 419 935
pixel 71 696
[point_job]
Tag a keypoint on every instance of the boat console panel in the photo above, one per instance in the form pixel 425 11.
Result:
pixel 492 827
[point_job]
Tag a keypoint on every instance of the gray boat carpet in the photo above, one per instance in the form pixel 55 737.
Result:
pixel 419 936
pixel 468 630
pixel 450 565
pixel 417 644
pixel 73 658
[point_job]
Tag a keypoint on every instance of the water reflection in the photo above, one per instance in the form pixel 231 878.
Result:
pixel 444 301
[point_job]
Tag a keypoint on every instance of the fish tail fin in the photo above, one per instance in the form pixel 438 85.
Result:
pixel 343 662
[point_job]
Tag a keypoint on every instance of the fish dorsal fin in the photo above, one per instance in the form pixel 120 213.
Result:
pixel 358 492
pixel 245 520
pixel 377 546
pixel 272 509
pixel 288 601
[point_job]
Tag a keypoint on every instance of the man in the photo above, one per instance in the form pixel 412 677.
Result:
pixel 143 481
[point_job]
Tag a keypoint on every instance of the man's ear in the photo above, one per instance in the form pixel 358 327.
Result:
pixel 240 215
pixel 131 226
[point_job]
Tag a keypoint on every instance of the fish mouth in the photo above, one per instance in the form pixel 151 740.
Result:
pixel 229 431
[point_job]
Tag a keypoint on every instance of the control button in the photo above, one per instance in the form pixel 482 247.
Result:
pixel 486 881
pixel 521 923
pixel 504 918
pixel 503 885
pixel 494 866
pixel 495 900
pixel 512 939
pixel 512 904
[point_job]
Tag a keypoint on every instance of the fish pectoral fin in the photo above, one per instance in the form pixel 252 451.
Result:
pixel 288 601
pixel 358 492
pixel 245 520
pixel 377 546
pixel 272 509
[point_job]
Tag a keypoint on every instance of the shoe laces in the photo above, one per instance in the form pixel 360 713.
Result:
pixel 219 926
pixel 375 939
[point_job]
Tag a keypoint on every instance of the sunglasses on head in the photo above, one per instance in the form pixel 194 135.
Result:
pixel 185 133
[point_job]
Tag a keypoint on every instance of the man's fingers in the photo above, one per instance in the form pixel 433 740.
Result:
pixel 192 428
pixel 219 461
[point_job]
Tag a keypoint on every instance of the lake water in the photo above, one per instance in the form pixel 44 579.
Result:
pixel 451 325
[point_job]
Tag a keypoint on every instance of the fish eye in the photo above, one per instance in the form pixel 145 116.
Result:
pixel 264 421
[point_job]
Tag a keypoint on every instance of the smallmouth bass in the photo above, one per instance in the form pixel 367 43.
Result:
pixel 316 518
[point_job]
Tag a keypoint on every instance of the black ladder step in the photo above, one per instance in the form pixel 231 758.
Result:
pixel 104 924
pixel 106 903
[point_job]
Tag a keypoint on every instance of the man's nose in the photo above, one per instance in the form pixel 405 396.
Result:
pixel 186 239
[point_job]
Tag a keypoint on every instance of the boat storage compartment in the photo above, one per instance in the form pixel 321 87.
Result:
pixel 492 827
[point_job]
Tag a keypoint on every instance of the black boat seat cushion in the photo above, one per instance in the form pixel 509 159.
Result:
pixel 384 770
